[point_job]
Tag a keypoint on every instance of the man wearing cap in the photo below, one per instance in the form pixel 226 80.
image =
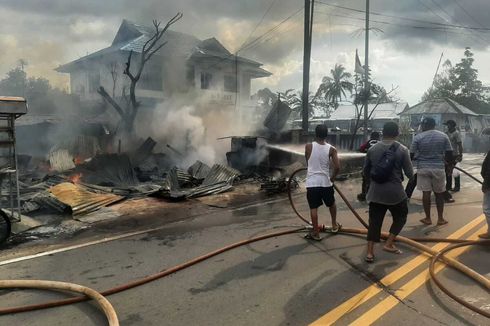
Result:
pixel 431 149
pixel 457 145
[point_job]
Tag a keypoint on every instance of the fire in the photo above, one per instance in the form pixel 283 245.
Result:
pixel 78 160
pixel 75 178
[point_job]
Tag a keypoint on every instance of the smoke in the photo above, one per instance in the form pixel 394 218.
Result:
pixel 184 131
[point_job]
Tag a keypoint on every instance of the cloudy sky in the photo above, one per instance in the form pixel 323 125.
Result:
pixel 404 48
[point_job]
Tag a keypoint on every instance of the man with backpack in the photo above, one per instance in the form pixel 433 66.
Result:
pixel 373 140
pixel 432 151
pixel 385 163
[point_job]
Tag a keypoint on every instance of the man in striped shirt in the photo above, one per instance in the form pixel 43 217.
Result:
pixel 431 150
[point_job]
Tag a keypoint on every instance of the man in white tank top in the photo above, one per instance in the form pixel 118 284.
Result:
pixel 320 156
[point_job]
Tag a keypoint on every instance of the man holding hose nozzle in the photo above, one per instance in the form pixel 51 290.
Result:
pixel 485 173
pixel 319 183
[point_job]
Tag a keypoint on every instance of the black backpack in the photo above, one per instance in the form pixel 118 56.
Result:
pixel 383 170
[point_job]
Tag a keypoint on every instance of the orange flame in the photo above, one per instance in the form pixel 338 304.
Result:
pixel 75 178
pixel 78 160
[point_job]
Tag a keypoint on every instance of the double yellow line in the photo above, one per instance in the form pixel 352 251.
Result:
pixel 385 305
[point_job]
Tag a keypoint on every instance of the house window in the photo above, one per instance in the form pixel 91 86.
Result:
pixel 151 79
pixel 230 84
pixel 190 76
pixel 206 79
pixel 93 81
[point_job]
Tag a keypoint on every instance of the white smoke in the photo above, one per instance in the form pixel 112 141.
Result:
pixel 182 129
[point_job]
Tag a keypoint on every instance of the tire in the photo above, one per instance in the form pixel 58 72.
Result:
pixel 5 227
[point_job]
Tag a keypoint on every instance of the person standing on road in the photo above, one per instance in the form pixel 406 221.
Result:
pixel 433 150
pixel 485 173
pixel 384 163
pixel 373 140
pixel 457 145
pixel 319 182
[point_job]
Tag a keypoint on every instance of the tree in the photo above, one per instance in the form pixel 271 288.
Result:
pixel 461 84
pixel 41 96
pixel 150 48
pixel 334 88
pixel 376 95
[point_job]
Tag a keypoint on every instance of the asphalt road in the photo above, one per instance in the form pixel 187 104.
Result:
pixel 280 281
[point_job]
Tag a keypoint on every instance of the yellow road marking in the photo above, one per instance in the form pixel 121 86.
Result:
pixel 388 303
pixel 363 296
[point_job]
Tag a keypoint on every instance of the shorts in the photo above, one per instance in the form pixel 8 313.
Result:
pixel 318 195
pixel 431 180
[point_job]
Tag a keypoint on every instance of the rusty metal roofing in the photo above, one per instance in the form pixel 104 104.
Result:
pixel 220 173
pixel 80 199
pixel 12 99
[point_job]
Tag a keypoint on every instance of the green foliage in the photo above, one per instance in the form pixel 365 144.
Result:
pixel 461 84
pixel 41 96
pixel 333 88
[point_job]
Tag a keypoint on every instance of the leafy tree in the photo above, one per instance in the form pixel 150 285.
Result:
pixel 333 88
pixel 41 96
pixel 461 84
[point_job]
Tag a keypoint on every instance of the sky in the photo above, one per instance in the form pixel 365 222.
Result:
pixel 406 37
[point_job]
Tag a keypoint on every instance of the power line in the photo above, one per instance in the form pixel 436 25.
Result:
pixel 394 24
pixel 409 19
pixel 258 24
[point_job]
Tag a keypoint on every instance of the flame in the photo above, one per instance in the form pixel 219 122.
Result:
pixel 75 178
pixel 78 160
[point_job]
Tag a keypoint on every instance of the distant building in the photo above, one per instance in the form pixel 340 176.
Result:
pixel 345 116
pixel 443 109
pixel 185 64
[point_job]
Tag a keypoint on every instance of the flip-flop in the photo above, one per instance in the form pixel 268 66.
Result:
pixel 393 251
pixel 443 222
pixel 310 236
pixel 424 221
pixel 368 259
pixel 336 229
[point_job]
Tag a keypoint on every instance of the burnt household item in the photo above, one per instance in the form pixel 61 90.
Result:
pixel 10 109
pixel 247 153
pixel 277 117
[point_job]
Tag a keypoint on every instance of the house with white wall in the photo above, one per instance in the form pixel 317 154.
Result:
pixel 184 65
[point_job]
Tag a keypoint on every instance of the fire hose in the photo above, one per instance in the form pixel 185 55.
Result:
pixel 412 242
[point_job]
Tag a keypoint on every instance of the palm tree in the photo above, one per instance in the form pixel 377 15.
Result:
pixel 334 88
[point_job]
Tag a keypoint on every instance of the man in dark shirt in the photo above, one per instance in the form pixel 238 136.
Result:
pixel 373 140
pixel 485 173
pixel 390 195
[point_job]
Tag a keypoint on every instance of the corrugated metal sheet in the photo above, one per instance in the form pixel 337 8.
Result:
pixel 109 170
pixel 383 111
pixel 80 199
pixel 439 106
pixel 199 170
pixel 220 173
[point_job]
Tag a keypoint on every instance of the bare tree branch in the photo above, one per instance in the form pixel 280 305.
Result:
pixel 111 101
pixel 127 70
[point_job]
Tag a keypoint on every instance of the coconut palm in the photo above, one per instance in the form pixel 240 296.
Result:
pixel 334 88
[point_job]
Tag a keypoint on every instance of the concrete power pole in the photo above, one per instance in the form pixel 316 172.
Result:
pixel 366 73
pixel 309 6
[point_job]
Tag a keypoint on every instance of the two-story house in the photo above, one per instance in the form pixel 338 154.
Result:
pixel 185 65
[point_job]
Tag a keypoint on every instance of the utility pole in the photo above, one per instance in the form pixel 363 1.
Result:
pixel 435 75
pixel 308 28
pixel 367 88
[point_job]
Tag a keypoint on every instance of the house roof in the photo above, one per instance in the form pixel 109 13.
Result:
pixel 438 106
pixel 132 37
pixel 383 111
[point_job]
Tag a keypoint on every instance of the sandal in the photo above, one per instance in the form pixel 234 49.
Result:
pixel 336 229
pixel 311 236
pixel 395 251
pixel 442 222
pixel 426 222
pixel 369 259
